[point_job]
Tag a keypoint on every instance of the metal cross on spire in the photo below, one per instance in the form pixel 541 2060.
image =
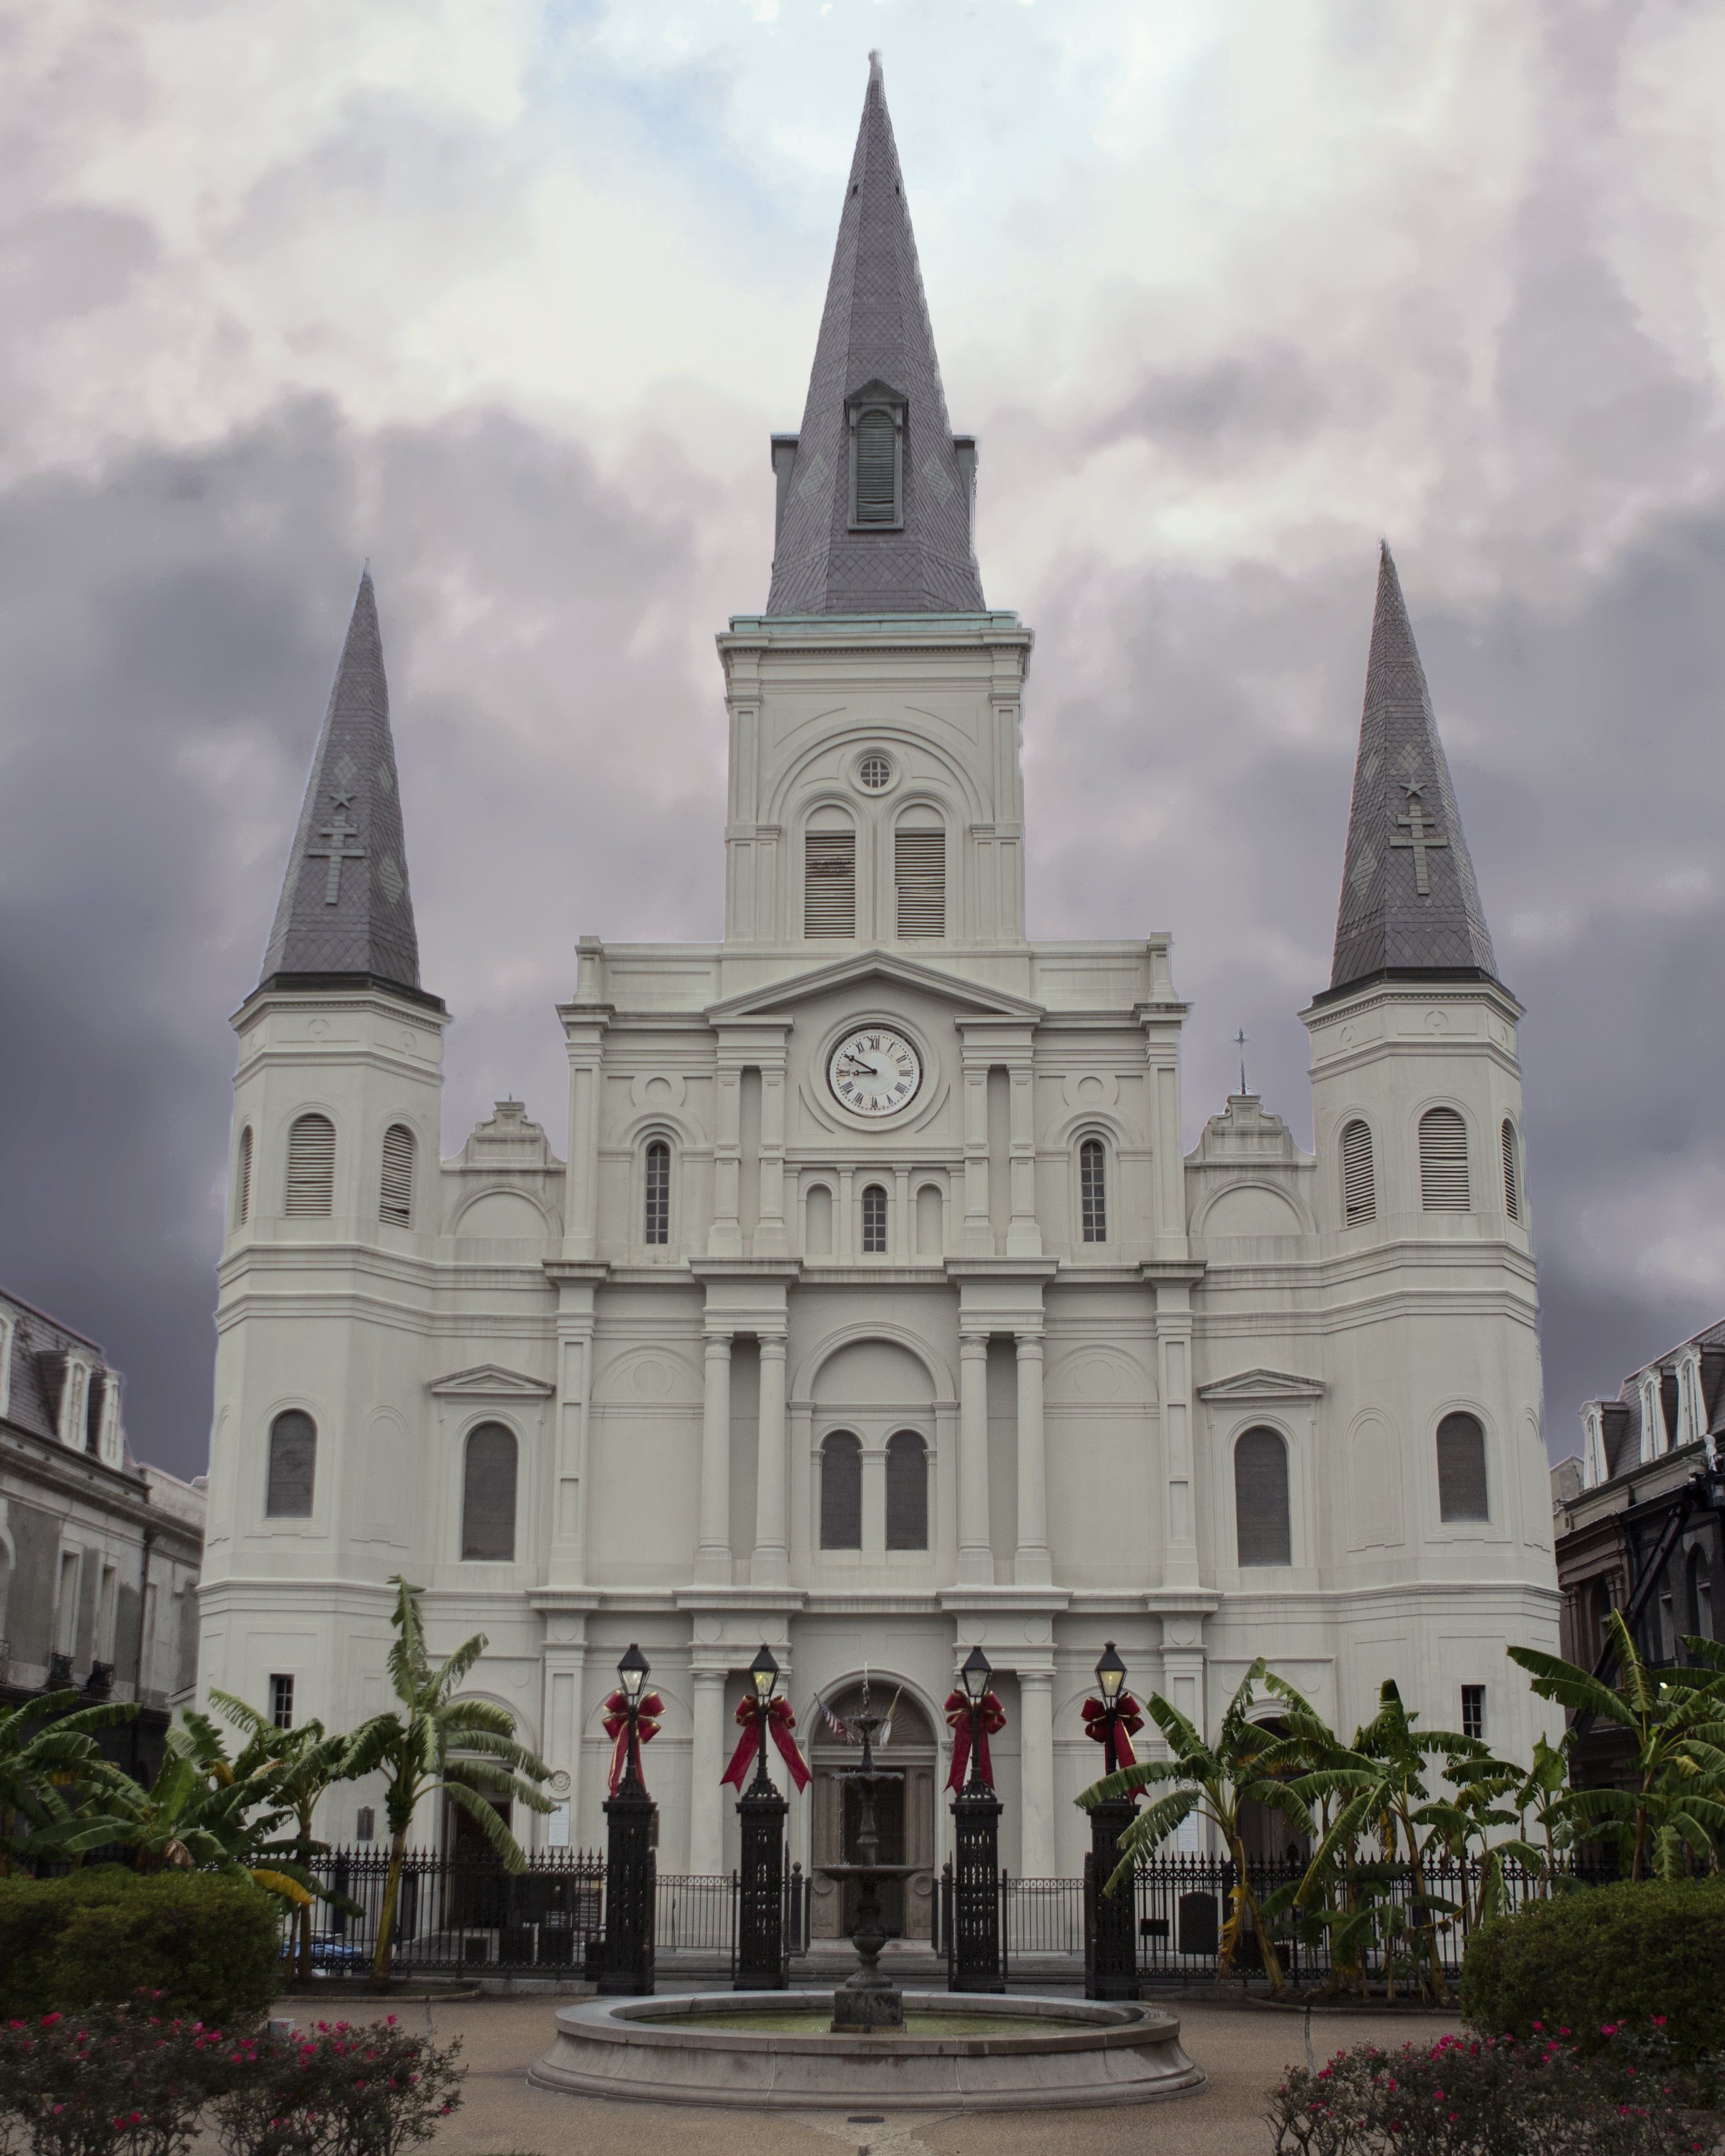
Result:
pixel 338 830
pixel 1422 838
pixel 1239 1041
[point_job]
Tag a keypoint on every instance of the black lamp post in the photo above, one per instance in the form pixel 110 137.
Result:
pixel 761 1964
pixel 1110 1940
pixel 975 1963
pixel 631 1869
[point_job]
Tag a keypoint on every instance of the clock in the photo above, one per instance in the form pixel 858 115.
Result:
pixel 874 1071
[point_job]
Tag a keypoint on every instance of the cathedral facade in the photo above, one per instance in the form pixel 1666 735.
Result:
pixel 876 1311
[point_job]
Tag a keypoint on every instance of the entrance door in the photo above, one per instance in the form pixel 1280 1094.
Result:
pixel 479 1885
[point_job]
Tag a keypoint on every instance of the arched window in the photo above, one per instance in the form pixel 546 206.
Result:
pixel 875 475
pixel 919 880
pixel 817 1221
pixel 1511 1181
pixel 1442 1162
pixel 829 880
pixel 841 1492
pixel 1461 1469
pixel 242 1180
pixel 907 1492
pixel 311 1167
pixel 1359 1192
pixel 874 1220
pixel 656 1219
pixel 396 1187
pixel 488 1494
pixel 1093 1190
pixel 1261 1498
pixel 1701 1595
pixel 293 1466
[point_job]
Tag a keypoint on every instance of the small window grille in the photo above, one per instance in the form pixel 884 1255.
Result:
pixel 293 1466
pixel 1473 1711
pixel 656 1225
pixel 920 874
pixel 282 1701
pixel 311 1167
pixel 395 1192
pixel 1261 1498
pixel 907 1492
pixel 243 1179
pixel 841 1492
pixel 877 455
pixel 1442 1162
pixel 1093 1190
pixel 1461 1469
pixel 488 1496
pixel 1359 1193
pixel 874 772
pixel 829 899
pixel 1512 1186
pixel 874 1220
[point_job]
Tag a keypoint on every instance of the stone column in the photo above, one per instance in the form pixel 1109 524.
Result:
pixel 706 1764
pixel 1036 1774
pixel 975 1558
pixel 713 1560
pixel 1030 1568
pixel 771 1563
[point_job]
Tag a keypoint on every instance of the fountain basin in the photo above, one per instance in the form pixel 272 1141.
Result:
pixel 671 2050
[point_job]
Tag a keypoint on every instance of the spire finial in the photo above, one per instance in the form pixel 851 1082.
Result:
pixel 1239 1041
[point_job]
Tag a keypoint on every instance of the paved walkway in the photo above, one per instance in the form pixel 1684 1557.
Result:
pixel 1243 2049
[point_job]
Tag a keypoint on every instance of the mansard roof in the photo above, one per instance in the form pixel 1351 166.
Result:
pixel 1409 905
pixel 875 341
pixel 346 912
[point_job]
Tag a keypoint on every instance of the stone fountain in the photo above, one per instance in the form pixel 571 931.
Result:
pixel 865 2000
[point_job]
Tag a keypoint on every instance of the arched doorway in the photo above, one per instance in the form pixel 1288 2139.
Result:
pixel 904 1812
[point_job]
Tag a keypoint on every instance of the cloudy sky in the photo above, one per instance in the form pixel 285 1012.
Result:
pixel 507 296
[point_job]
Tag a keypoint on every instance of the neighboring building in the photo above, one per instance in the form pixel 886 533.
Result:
pixel 99 1556
pixel 1641 1455
pixel 876 1312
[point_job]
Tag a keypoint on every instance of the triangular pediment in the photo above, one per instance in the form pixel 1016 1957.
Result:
pixel 1263 1385
pixel 874 391
pixel 873 966
pixel 491 1381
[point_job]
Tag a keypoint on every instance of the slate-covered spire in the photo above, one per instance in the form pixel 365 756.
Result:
pixel 345 910
pixel 1409 905
pixel 875 338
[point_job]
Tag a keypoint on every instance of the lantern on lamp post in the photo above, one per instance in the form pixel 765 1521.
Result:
pixel 1110 1932
pixel 974 1961
pixel 761 1963
pixel 631 1868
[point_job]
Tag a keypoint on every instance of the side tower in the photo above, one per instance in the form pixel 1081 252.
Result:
pixel 1421 1197
pixel 331 1204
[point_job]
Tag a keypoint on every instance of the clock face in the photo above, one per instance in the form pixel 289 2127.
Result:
pixel 874 1071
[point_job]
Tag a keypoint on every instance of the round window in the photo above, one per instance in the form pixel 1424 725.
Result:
pixel 875 772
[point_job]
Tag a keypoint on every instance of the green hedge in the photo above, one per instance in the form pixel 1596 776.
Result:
pixel 211 1945
pixel 1600 1955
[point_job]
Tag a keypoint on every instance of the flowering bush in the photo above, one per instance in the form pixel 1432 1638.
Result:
pixel 340 2090
pixel 1493 2097
pixel 109 2080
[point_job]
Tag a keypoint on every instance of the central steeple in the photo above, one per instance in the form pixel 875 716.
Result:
pixel 876 493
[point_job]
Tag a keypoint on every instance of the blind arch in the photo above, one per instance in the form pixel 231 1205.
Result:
pixel 907 1492
pixel 242 1179
pixel 1092 1191
pixel 841 1492
pixel 1461 1469
pixel 1263 1530
pixel 1359 1185
pixel 292 1472
pixel 395 1184
pixel 488 1479
pixel 817 1221
pixel 656 1193
pixel 1442 1162
pixel 874 1220
pixel 311 1167
pixel 1512 1177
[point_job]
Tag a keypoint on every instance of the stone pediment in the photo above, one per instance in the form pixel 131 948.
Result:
pixel 873 966
pixel 1263 1385
pixel 491 1381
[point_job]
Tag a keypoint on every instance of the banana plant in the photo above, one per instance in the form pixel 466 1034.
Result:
pixel 206 1812
pixel 306 1763
pixel 54 1783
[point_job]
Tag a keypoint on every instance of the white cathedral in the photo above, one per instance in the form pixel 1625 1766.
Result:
pixel 877 1312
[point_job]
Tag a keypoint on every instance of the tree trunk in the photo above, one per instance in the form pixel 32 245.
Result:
pixel 305 1914
pixel 383 1960
pixel 1266 1948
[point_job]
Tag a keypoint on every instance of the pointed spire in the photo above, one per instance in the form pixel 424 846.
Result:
pixel 875 337
pixel 345 910
pixel 1409 904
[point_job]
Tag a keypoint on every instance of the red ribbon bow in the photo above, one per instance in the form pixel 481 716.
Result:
pixel 781 1722
pixel 990 1720
pixel 1125 1718
pixel 617 1727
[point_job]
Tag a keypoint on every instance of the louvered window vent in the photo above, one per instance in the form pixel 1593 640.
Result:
pixel 829 899
pixel 1093 1190
pixel 877 455
pixel 920 874
pixel 874 1221
pixel 311 1167
pixel 1511 1185
pixel 1442 1162
pixel 1359 1195
pixel 395 1192
pixel 242 1178
pixel 655 1227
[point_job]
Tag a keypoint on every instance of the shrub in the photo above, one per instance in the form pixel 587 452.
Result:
pixel 1492 2096
pixel 1601 1955
pixel 208 1946
pixel 340 2090
pixel 117 2081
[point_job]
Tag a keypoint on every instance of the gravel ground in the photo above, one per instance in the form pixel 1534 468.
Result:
pixel 1243 2049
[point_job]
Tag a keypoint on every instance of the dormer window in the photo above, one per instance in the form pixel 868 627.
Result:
pixel 876 418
